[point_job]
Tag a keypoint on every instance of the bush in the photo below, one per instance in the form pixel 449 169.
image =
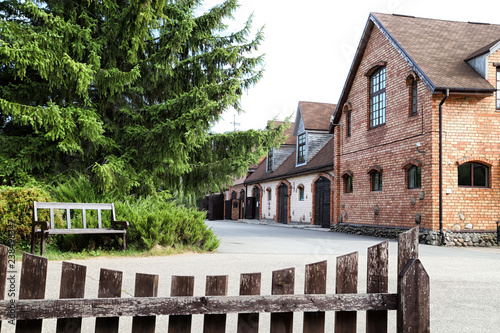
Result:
pixel 16 204
pixel 154 220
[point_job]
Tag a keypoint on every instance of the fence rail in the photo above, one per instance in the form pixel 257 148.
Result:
pixel 411 301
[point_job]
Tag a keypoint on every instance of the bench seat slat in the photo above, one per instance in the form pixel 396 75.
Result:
pixel 85 231
pixel 73 205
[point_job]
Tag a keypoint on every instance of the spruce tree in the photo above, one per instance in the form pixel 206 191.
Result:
pixel 125 92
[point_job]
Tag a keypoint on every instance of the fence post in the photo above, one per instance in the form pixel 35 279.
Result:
pixel 283 283
pixel 32 286
pixel 347 283
pixel 377 282
pixel 249 285
pixel 315 283
pixel 216 286
pixel 72 286
pixel 110 285
pixel 407 247
pixel 413 299
pixel 146 285
pixel 4 261
pixel 181 286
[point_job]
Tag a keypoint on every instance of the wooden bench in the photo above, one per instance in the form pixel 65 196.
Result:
pixel 44 229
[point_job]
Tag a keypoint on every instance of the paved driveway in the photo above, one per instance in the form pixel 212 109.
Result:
pixel 465 283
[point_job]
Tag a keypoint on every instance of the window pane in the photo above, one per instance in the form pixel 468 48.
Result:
pixel 418 177
pixel 480 175
pixel 464 175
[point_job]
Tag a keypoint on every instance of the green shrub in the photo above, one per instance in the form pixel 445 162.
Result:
pixel 154 220
pixel 16 204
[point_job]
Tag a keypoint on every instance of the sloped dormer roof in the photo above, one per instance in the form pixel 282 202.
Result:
pixel 315 116
pixel 436 50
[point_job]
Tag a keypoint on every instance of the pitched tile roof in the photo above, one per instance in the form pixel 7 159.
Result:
pixel 440 47
pixel 316 115
pixel 322 161
pixel 437 51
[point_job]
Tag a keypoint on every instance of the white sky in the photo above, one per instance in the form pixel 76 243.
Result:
pixel 309 47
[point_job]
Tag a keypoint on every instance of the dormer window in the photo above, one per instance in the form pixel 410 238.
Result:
pixel 270 160
pixel 301 149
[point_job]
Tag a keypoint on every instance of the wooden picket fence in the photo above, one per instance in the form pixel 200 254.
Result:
pixel 411 300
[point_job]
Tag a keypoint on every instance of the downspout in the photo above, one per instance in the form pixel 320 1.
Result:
pixel 447 93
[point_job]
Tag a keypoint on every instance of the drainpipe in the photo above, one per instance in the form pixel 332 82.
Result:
pixel 447 93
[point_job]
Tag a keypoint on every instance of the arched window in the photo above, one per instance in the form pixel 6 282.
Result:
pixel 414 175
pixel 412 83
pixel 301 192
pixel 473 175
pixel 375 173
pixel 234 195
pixel 377 98
pixel 376 180
pixel 348 182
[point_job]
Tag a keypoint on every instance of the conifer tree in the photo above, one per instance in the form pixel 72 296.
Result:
pixel 125 92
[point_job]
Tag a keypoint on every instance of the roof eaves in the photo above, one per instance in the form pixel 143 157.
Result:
pixel 403 53
pixel 371 22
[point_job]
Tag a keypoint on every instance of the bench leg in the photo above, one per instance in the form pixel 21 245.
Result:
pixel 33 239
pixel 124 242
pixel 42 243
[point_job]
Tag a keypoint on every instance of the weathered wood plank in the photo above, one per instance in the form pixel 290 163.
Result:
pixel 414 299
pixel 110 286
pixel 181 286
pixel 155 306
pixel 346 283
pixel 72 286
pixel 32 286
pixel 377 282
pixel 407 247
pixel 249 285
pixel 4 263
pixel 315 283
pixel 283 283
pixel 216 286
pixel 146 285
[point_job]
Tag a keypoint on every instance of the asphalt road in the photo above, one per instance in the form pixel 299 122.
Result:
pixel 465 282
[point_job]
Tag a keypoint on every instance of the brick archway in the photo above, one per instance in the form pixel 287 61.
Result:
pixel 313 190
pixel 289 186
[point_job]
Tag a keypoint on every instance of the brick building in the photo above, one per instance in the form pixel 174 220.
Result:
pixel 417 128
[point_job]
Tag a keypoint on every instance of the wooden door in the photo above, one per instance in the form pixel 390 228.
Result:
pixel 256 194
pixel 283 204
pixel 322 202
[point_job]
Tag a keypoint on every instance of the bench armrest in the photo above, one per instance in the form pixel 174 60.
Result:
pixel 44 225
pixel 121 224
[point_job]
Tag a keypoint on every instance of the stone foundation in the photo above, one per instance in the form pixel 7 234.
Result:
pixel 431 237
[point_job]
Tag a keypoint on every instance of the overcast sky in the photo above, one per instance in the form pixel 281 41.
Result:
pixel 309 47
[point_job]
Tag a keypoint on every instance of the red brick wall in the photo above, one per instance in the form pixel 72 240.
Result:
pixel 471 130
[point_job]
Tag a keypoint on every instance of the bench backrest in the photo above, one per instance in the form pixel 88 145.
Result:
pixel 68 206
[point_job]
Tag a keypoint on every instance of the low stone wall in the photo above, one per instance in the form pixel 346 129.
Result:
pixel 471 239
pixel 431 237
